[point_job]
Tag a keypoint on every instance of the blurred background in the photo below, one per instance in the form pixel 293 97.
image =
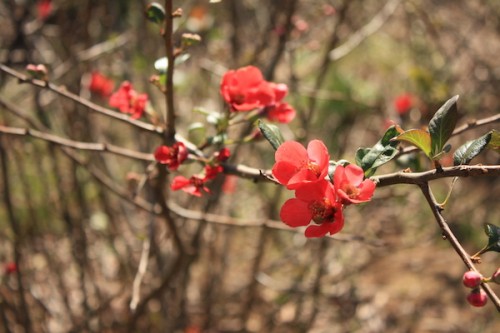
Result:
pixel 352 67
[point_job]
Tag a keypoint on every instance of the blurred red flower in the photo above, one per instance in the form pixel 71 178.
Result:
pixel 10 268
pixel 316 202
pixel 350 186
pixel 44 8
pixel 403 103
pixel 296 166
pixel 100 84
pixel 193 185
pixel 127 100
pixel 281 112
pixel 171 156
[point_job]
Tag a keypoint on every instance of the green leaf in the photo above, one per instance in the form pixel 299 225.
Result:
pixel 196 133
pixel 493 233
pixel 465 153
pixel 272 133
pixel 442 125
pixel 495 141
pixel 419 138
pixel 155 13
pixel 369 159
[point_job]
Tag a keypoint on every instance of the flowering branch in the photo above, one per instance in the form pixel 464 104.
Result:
pixel 169 85
pixel 436 210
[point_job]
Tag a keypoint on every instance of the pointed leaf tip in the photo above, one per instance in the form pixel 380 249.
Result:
pixel 272 133
pixel 442 125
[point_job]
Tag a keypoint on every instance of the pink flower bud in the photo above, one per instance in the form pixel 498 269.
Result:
pixel 472 279
pixel 477 297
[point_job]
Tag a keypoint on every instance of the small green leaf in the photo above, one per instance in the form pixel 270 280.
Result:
pixel 495 141
pixel 369 159
pixel 493 233
pixel 155 13
pixel 442 125
pixel 272 133
pixel 465 153
pixel 419 138
pixel 196 133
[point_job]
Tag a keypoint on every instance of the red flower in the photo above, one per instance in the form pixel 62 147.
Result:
pixel 245 89
pixel 223 155
pixel 350 186
pixel 296 166
pixel 316 202
pixel 100 84
pixel 128 100
pixel 193 185
pixel 171 156
pixel 211 171
pixel 10 268
pixel 44 8
pixel 281 112
pixel 403 103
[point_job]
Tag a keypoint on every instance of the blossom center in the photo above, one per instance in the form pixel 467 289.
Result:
pixel 322 211
pixel 314 167
pixel 351 190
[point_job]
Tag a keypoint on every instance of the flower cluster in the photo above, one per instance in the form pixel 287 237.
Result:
pixel 245 89
pixel 175 155
pixel 127 100
pixel 317 198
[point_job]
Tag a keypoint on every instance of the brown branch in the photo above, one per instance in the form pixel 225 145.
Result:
pixel 436 210
pixel 62 91
pixel 91 146
pixel 418 178
pixel 169 84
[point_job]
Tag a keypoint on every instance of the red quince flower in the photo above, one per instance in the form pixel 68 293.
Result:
pixel 127 100
pixel 315 202
pixel 403 103
pixel 296 166
pixel 245 89
pixel 100 84
pixel 281 112
pixel 171 156
pixel 350 186
pixel 222 155
pixel 44 8
pixel 10 268
pixel 211 171
pixel 194 185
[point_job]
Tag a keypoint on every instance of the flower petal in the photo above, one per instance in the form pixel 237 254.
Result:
pixel 315 231
pixel 354 174
pixel 295 213
pixel 292 152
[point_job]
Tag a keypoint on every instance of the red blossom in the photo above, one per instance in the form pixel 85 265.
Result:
pixel 171 156
pixel 281 112
pixel 350 186
pixel 245 89
pixel 211 171
pixel 44 8
pixel 477 297
pixel 223 155
pixel 314 202
pixel 403 103
pixel 127 100
pixel 10 268
pixel 100 84
pixel 194 185
pixel 296 166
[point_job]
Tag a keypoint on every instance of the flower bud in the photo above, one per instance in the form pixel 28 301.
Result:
pixel 472 279
pixel 477 297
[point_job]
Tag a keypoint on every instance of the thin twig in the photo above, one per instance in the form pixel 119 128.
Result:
pixel 90 146
pixel 436 210
pixel 62 91
pixel 169 84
